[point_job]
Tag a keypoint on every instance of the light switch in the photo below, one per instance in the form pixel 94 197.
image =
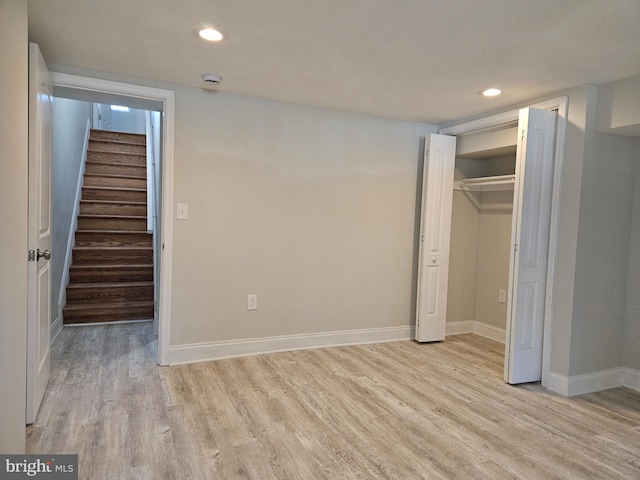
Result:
pixel 252 302
pixel 182 211
pixel 502 296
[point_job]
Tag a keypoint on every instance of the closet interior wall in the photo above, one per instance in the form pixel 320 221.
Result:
pixel 481 232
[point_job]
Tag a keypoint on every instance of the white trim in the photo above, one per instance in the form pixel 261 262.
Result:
pixel 71 237
pixel 167 97
pixel 204 352
pixel 478 328
pixel 151 184
pixel 594 382
pixel 460 327
pixel 492 121
pixel 558 383
pixel 631 379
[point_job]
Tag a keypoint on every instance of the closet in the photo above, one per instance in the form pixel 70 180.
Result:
pixel 485 222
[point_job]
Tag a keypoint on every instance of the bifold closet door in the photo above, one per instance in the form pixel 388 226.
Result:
pixel 435 233
pixel 530 245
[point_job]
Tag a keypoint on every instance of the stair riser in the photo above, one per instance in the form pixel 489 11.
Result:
pixel 125 209
pixel 100 223
pixel 116 182
pixel 97 315
pixel 113 239
pixel 105 135
pixel 115 169
pixel 109 147
pixel 117 158
pixel 114 194
pixel 93 295
pixel 102 275
pixel 110 257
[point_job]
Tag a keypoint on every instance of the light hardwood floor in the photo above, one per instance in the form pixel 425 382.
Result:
pixel 397 410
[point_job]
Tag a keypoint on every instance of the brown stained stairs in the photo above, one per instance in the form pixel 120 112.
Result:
pixel 111 274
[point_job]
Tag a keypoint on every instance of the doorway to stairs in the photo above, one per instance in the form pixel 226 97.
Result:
pixel 113 272
pixel 139 227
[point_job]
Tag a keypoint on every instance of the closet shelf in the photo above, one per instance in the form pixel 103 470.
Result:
pixel 482 184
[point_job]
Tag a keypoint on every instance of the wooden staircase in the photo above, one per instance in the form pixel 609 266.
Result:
pixel 111 275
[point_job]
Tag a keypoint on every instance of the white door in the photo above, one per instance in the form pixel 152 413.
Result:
pixel 39 271
pixel 102 116
pixel 435 234
pixel 530 245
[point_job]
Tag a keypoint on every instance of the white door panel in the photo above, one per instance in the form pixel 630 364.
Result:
pixel 435 234
pixel 530 245
pixel 39 271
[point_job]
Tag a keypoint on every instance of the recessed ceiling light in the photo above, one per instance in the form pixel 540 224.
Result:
pixel 491 92
pixel 210 34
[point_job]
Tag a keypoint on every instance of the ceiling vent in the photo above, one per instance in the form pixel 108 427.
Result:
pixel 211 79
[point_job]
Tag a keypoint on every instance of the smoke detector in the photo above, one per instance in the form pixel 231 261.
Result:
pixel 211 79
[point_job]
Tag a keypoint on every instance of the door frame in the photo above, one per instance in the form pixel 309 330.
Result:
pixel 561 105
pixel 167 98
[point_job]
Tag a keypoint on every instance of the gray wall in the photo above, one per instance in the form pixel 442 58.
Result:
pixel 313 210
pixel 463 259
pixel 13 214
pixel 133 121
pixel 606 201
pixel 631 351
pixel 494 248
pixel 69 126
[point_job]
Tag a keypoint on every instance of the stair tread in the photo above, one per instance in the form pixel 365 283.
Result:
pixel 109 284
pixel 111 232
pixel 114 175
pixel 110 215
pixel 101 159
pixel 114 133
pixel 108 187
pixel 113 202
pixel 90 150
pixel 80 306
pixel 117 141
pixel 112 265
pixel 132 247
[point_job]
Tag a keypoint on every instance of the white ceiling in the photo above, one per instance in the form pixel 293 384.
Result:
pixel 421 60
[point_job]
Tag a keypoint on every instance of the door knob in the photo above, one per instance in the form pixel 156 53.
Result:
pixel 46 254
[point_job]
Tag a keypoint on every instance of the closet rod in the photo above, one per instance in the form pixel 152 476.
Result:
pixel 501 182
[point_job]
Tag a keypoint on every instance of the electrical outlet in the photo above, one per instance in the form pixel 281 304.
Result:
pixel 502 296
pixel 252 302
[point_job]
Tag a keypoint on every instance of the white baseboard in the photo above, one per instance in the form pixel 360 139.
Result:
pixel 631 379
pixel 204 352
pixel 457 328
pixel 482 329
pixel 557 383
pixel 593 382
